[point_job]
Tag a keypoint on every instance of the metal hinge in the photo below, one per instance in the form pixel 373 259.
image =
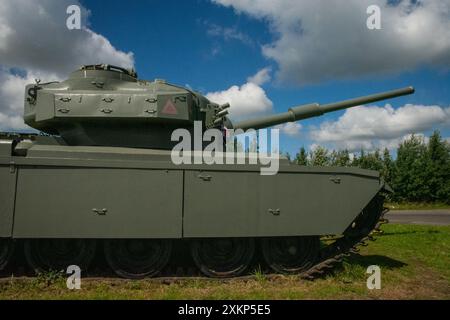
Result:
pixel 63 110
pixel 179 98
pixel 106 110
pixel 275 212
pixel 98 84
pixel 100 212
pixel 336 180
pixel 204 177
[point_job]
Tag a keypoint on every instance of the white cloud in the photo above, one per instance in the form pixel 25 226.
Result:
pixel 9 122
pixel 245 100
pixel 322 39
pixel 12 90
pixel 35 43
pixel 291 128
pixel 261 77
pixel 371 127
pixel 39 40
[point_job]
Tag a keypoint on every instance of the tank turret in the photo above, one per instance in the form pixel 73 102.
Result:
pixel 103 105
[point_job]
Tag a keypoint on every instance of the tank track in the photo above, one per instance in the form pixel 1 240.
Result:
pixel 363 229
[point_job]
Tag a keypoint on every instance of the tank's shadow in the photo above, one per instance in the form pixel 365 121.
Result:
pixel 378 260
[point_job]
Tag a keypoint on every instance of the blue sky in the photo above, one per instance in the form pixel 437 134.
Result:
pixel 212 46
pixel 170 40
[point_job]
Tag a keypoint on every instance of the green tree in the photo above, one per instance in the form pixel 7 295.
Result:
pixel 371 160
pixel 320 157
pixel 359 160
pixel 340 158
pixel 301 158
pixel 410 171
pixel 388 165
pixel 438 168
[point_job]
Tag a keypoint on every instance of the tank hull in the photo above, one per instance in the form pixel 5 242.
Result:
pixel 122 193
pixel 86 188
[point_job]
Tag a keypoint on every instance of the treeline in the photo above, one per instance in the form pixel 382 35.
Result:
pixel 419 173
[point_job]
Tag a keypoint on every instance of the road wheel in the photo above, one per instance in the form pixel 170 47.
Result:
pixel 223 258
pixel 137 258
pixel 6 251
pixel 57 254
pixel 290 255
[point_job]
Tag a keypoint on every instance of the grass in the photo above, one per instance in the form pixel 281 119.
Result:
pixel 416 205
pixel 414 262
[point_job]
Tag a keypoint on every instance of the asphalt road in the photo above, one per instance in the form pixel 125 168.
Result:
pixel 429 217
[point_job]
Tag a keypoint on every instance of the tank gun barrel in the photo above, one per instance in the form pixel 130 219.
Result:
pixel 315 109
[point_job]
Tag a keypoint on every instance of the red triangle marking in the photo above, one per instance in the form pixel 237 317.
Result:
pixel 169 108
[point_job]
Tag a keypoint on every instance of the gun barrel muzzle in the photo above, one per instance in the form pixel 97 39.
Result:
pixel 314 109
pixel 366 99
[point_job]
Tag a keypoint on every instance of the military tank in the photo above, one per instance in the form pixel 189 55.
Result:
pixel 99 179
